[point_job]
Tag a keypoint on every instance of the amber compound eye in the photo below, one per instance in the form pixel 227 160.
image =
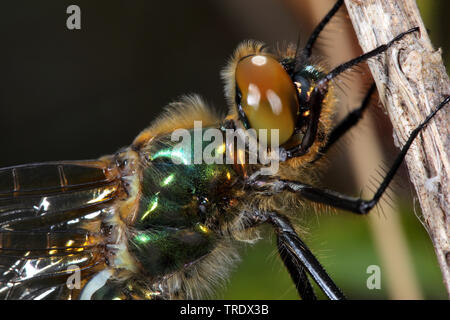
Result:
pixel 268 95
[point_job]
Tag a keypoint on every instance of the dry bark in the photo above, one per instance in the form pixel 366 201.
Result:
pixel 411 81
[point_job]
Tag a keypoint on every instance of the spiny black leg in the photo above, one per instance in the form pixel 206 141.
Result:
pixel 398 161
pixel 335 199
pixel 295 269
pixel 319 195
pixel 315 34
pixel 350 120
pixel 347 123
pixel 292 263
pixel 364 57
pixel 299 257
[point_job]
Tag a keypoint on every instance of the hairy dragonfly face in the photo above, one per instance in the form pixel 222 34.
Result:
pixel 162 218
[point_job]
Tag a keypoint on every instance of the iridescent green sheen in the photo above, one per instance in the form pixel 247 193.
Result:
pixel 179 207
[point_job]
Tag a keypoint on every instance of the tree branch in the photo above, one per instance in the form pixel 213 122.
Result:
pixel 412 81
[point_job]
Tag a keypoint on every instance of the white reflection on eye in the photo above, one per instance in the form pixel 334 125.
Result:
pixel 259 60
pixel 275 102
pixel 254 96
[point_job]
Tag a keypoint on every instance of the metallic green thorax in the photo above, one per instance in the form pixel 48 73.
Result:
pixel 181 209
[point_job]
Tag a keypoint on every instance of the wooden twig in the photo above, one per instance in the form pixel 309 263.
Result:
pixel 412 81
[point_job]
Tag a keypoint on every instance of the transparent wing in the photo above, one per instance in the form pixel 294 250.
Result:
pixel 51 225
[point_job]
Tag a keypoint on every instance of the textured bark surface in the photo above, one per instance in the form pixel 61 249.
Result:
pixel 411 81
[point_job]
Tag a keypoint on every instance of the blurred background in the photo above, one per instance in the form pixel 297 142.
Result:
pixel 67 95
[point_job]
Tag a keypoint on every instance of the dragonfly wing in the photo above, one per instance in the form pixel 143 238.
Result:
pixel 51 230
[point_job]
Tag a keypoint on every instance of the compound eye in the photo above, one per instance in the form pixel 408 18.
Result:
pixel 268 96
pixel 303 87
